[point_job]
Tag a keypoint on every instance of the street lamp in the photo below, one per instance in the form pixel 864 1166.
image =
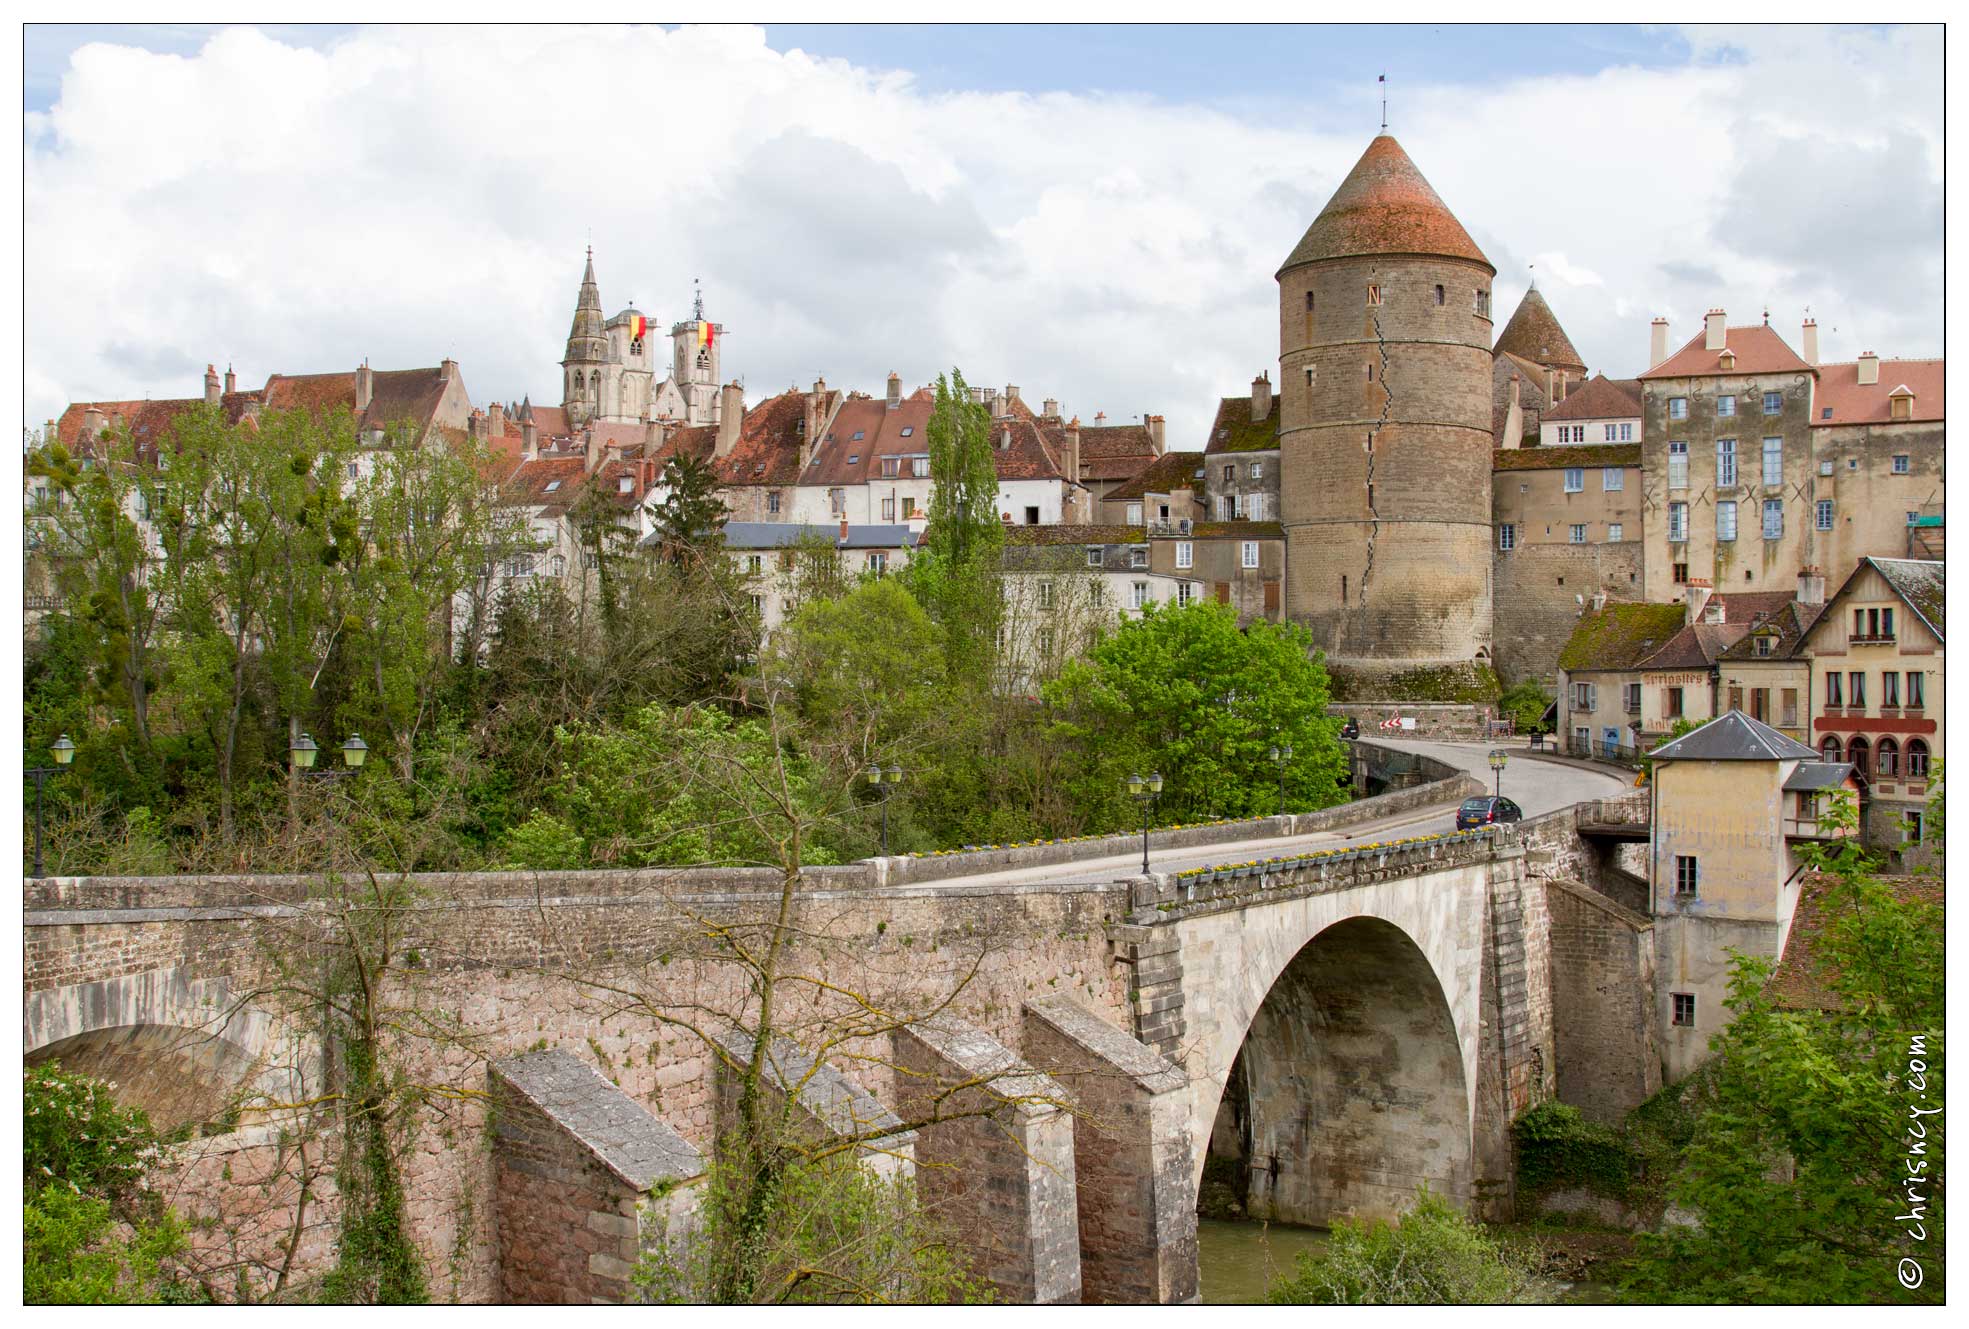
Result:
pixel 1280 756
pixel 885 782
pixel 1498 756
pixel 64 751
pixel 1144 790
pixel 303 751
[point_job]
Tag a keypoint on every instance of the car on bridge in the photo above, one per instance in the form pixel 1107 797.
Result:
pixel 1487 811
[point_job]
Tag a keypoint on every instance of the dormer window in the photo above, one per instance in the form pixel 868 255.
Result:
pixel 552 485
pixel 624 484
pixel 1900 406
pixel 1728 359
pixel 853 457
pixel 857 436
pixel 1765 644
pixel 908 430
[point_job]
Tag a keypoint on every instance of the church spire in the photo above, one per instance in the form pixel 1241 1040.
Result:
pixel 587 340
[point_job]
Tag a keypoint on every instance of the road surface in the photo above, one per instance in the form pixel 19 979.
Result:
pixel 1536 786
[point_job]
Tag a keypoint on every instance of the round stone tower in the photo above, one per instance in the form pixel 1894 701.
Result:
pixel 1385 437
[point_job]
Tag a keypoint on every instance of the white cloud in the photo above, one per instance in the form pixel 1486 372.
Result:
pixel 412 193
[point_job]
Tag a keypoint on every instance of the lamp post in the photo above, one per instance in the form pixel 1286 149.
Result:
pixel 303 751
pixel 1498 756
pixel 1280 756
pixel 64 751
pixel 885 783
pixel 1144 790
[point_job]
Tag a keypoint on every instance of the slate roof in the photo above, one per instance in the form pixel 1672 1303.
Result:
pixel 1919 583
pixel 1759 350
pixel 1385 206
pixel 1853 403
pixel 1535 334
pixel 1819 775
pixel 1235 431
pixel 1600 398
pixel 1554 459
pixel 1792 621
pixel 1734 736
pixel 1169 473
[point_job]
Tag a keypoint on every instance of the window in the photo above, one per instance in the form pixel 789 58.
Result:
pixel 1913 827
pixel 1678 408
pixel 1257 470
pixel 772 500
pixel 1773 461
pixel 837 502
pixel 1312 377
pixel 1045 595
pixel 1917 759
pixel 1912 516
pixel 1615 532
pixel 1093 556
pixel 1032 516
pixel 908 431
pixel 1726 461
pixel 1726 405
pixel 1824 514
pixel 1373 294
pixel 1678 465
pixel 355 470
pixel 889 509
pixel 758 605
pixel 1250 557
pixel 1680 573
pixel 1575 479
pixel 1688 875
pixel 1138 594
pixel 1914 690
pixel 1483 303
pixel 1760 705
pixel 1254 507
pixel 1774 519
pixel 1134 514
pixel 1507 536
pixel 857 436
pixel 1627 432
pixel 891 467
pixel 1773 403
pixel 625 484
pixel 1887 759
pixel 1138 558
pixel 908 507
pixel 754 564
pixel 1439 292
pixel 1630 698
pixel 1674 704
pixel 1185 592
pixel 878 563
pixel 1578 533
pixel 1609 431
pixel 1612 479
pixel 919 467
pixel 1685 1009
pixel 1046 641
pixel 853 457
pixel 1097 592
pixel 1829 749
pixel 552 485
pixel 1678 526
pixel 1764 643
pixel 1832 697
pixel 1856 690
pixel 1227 507
pixel 1370 371
pixel 1900 463
pixel 1726 520
pixel 1788 707
pixel 1185 554
pixel 1230 472
pixel 1585 696
pixel 1857 753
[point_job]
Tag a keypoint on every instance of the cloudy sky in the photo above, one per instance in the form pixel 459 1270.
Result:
pixel 1094 214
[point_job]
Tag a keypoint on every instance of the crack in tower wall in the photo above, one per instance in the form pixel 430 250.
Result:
pixel 1387 406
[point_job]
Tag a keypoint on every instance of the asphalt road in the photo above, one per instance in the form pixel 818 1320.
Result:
pixel 1536 786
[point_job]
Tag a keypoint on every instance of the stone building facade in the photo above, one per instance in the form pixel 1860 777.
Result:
pixel 1385 429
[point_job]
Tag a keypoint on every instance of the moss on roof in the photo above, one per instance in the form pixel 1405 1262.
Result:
pixel 1621 635
pixel 1552 459
pixel 1235 431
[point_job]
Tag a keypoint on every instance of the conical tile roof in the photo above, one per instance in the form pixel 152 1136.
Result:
pixel 1384 206
pixel 1534 334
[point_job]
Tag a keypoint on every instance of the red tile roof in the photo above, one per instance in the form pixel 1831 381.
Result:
pixel 768 448
pixel 1025 456
pixel 1535 334
pixel 1384 206
pixel 1854 403
pixel 1758 349
pixel 881 431
pixel 1600 398
pixel 1109 452
pixel 1168 473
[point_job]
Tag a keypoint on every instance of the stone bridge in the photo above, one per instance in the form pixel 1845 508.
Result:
pixel 1334 1027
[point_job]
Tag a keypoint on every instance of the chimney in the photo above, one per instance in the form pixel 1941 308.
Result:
pixel 1005 438
pixel 1011 395
pixel 1051 409
pixel 1100 419
pixel 1657 342
pixel 495 421
pixel 1811 342
pixel 1811 586
pixel 1712 330
pixel 232 384
pixel 1869 368
pixel 1564 383
pixel 844 528
pixel 448 369
pixel 1261 398
pixel 1551 387
pixel 731 418
pixel 1155 432
pixel 475 424
pixel 1698 599
pixel 364 387
pixel 1514 417
pixel 1073 450
pixel 93 421
pixel 895 389
pixel 1599 601
pixel 211 386
pixel 593 448
pixel 529 439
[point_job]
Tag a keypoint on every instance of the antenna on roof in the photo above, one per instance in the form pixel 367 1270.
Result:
pixel 1383 81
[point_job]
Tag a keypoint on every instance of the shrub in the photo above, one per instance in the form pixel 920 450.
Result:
pixel 1432 1256
pixel 1558 1148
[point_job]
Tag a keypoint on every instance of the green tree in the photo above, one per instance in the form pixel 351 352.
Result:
pixel 954 574
pixel 1183 691
pixel 1431 1256
pixel 1817 1135
pixel 689 523
pixel 1524 705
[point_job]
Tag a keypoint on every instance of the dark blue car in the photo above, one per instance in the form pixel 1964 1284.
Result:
pixel 1487 811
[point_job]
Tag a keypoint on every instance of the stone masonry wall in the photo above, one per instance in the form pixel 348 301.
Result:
pixel 1540 592
pixel 1602 963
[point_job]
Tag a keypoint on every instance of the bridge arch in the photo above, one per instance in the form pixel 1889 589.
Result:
pixel 181 1048
pixel 1332 1045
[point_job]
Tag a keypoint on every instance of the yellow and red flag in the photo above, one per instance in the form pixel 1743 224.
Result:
pixel 706 333
pixel 638 325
